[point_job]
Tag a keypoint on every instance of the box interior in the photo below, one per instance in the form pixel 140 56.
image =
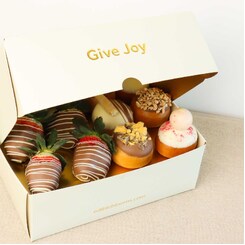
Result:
pixel 67 178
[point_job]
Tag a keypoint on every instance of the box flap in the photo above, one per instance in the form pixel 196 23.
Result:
pixel 63 66
pixel 7 99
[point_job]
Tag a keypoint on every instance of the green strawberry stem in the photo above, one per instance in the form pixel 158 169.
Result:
pixel 82 130
pixel 50 146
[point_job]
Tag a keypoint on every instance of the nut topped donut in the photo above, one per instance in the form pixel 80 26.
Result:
pixel 151 106
pixel 177 135
pixel 134 146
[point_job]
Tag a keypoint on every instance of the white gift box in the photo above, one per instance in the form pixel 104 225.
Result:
pixel 40 71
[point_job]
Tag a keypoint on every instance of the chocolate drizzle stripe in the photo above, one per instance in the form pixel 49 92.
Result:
pixel 88 176
pixel 66 130
pixel 14 153
pixel 30 126
pixel 66 114
pixel 95 150
pixel 22 131
pixel 20 136
pixel 18 142
pixel 68 123
pixel 103 153
pixel 89 161
pixel 129 113
pixel 92 166
pixel 124 110
pixel 68 136
pixel 43 176
pixel 89 164
pixel 90 153
pixel 96 143
pixel 64 126
pixel 60 120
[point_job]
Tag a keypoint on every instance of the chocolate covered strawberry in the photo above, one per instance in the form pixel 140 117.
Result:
pixel 24 131
pixel 63 123
pixel 45 166
pixel 92 156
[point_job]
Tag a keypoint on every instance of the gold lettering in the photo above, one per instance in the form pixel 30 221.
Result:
pixel 134 48
pixel 127 49
pixel 108 53
pixel 92 54
pixel 115 52
pixel 100 54
pixel 95 54
pixel 143 47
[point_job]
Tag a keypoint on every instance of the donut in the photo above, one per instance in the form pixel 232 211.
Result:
pixel 123 116
pixel 177 135
pixel 151 106
pixel 134 146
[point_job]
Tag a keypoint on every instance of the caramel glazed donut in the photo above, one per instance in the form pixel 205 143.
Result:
pixel 134 146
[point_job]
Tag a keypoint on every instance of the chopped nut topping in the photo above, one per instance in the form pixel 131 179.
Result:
pixel 153 99
pixel 133 133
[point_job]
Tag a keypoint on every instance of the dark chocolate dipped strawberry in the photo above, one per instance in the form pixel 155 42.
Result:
pixel 23 133
pixel 63 123
pixel 92 156
pixel 45 166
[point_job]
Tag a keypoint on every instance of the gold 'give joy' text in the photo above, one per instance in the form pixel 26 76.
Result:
pixel 95 54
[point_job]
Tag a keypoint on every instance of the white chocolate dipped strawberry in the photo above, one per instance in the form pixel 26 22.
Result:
pixel 45 166
pixel 92 156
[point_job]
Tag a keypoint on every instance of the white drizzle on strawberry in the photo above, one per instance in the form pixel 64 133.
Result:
pixel 24 131
pixel 64 126
pixel 43 173
pixel 92 159
pixel 45 166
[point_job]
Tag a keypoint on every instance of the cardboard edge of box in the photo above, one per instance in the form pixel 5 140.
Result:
pixel 8 106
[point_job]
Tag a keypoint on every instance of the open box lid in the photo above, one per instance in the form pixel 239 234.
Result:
pixel 68 65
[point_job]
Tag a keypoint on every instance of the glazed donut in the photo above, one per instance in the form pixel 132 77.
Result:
pixel 134 146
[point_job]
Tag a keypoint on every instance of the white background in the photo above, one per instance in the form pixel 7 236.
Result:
pixel 221 22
